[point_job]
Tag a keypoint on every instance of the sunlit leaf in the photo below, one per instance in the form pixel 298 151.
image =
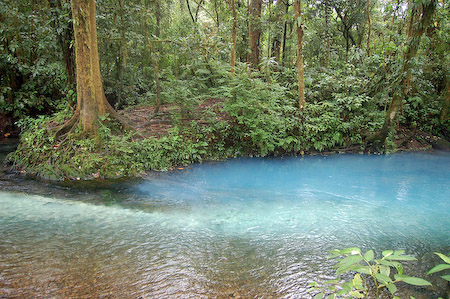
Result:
pixel 412 280
pixel 368 256
pixel 438 268
pixel 443 257
pixel 386 253
pixel 392 288
pixel 383 278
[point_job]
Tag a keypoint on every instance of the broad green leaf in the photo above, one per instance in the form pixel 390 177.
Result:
pixel 351 250
pixel 357 281
pixel 438 268
pixel 385 262
pixel 443 257
pixel 385 270
pixel 347 286
pixel 412 280
pixel 387 253
pixel 346 263
pixel 392 288
pixel 446 277
pixel 399 252
pixel 332 281
pixel 401 258
pixel 362 269
pixel 383 278
pixel 356 294
pixel 368 256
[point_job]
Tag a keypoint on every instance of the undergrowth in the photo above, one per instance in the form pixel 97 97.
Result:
pixel 256 117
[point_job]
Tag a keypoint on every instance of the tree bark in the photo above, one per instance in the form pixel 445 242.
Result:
pixel 233 37
pixel 327 30
pixel 300 33
pixel 278 34
pixel 283 46
pixel 91 100
pixel 369 25
pixel 254 32
pixel 121 65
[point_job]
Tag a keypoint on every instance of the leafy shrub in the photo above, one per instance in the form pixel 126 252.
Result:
pixel 384 273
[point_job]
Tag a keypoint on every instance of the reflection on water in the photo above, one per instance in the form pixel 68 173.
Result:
pixel 243 228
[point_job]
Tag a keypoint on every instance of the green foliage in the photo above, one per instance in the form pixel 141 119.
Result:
pixel 108 156
pixel 31 79
pixel 365 268
pixel 441 267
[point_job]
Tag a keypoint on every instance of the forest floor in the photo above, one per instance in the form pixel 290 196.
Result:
pixel 149 124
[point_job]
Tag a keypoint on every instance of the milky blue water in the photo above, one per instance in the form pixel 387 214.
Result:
pixel 244 227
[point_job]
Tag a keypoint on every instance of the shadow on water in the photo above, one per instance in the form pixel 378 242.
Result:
pixel 245 228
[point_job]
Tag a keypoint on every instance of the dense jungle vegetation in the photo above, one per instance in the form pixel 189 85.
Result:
pixel 184 81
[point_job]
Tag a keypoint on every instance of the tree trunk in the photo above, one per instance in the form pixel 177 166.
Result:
pixel 254 32
pixel 121 65
pixel 190 12
pixel 327 30
pixel 233 37
pixel 283 46
pixel 300 33
pixel 369 25
pixel 278 34
pixel 64 40
pixel 420 20
pixel 91 100
pixel 156 60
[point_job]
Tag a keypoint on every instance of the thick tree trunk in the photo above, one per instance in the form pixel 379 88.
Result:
pixel 300 33
pixel 420 20
pixel 233 37
pixel 254 32
pixel 91 100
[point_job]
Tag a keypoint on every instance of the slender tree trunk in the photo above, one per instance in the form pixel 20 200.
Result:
pixel 190 12
pixel 91 100
pixel 420 19
pixel 327 30
pixel 369 25
pixel 283 47
pixel 122 55
pixel 300 33
pixel 254 32
pixel 233 37
pixel 156 60
pixel 278 34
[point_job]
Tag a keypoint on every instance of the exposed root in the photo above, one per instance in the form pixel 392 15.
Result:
pixel 68 126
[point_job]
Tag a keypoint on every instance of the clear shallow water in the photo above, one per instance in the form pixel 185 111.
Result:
pixel 246 227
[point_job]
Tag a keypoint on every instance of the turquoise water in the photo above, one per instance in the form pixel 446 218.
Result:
pixel 246 227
